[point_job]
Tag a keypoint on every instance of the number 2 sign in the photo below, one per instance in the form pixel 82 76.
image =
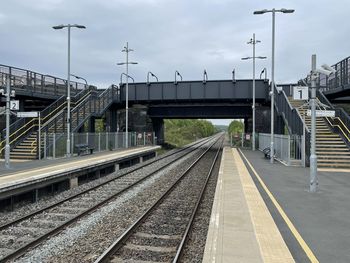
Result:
pixel 14 105
pixel 300 93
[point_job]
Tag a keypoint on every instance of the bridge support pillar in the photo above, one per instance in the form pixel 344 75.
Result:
pixel 158 127
pixel 91 124
pixel 112 120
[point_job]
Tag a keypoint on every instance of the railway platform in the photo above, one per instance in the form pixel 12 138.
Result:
pixel 264 212
pixel 33 175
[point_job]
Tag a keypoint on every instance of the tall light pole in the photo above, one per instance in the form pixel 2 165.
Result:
pixel 253 42
pixel 127 50
pixel 273 11
pixel 69 26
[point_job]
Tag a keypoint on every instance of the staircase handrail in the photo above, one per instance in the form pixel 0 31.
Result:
pixel 341 121
pixel 292 117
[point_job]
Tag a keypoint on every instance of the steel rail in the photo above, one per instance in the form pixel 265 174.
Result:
pixel 20 251
pixel 112 249
pixel 6 225
pixel 194 213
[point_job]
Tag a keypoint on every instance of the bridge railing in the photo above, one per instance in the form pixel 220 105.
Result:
pixel 340 79
pixel 33 82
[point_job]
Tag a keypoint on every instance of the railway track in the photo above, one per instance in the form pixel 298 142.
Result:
pixel 28 231
pixel 160 233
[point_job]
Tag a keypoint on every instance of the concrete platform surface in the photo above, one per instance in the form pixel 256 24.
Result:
pixel 23 172
pixel 241 228
pixel 315 226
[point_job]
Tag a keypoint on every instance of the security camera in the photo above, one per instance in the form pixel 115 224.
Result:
pixel 13 93
pixel 324 71
pixel 270 93
pixel 2 92
pixel 326 67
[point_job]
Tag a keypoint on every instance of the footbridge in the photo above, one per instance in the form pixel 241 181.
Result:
pixel 152 102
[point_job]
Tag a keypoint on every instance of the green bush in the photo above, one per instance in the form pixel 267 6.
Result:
pixel 181 132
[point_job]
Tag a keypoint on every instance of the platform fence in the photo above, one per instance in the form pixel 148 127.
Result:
pixel 53 145
pixel 288 148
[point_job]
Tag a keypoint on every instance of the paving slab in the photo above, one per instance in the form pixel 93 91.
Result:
pixel 322 219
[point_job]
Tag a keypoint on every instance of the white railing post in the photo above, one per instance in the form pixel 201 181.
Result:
pixel 54 146
pixel 45 151
pixel 288 148
pixel 144 138
pixel 116 140
pixel 107 144
pixel 87 138
pixel 99 141
pixel 72 144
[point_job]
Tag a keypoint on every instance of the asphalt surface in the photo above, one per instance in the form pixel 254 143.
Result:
pixel 322 218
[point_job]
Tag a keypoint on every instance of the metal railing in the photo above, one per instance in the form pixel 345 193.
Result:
pixel 29 81
pixel 340 79
pixel 288 148
pixel 94 103
pixel 23 127
pixel 294 122
pixel 341 122
pixel 99 142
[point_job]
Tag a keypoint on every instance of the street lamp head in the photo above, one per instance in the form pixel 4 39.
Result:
pixel 246 58
pixel 133 63
pixel 80 26
pixel 261 57
pixel 58 27
pixel 287 11
pixel 121 63
pixel 260 12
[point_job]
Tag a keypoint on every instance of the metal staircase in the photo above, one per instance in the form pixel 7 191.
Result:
pixel 331 149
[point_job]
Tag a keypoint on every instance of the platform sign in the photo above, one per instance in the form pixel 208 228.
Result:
pixel 300 93
pixel 14 105
pixel 28 114
pixel 322 113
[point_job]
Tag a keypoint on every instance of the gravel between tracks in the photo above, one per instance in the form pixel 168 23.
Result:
pixel 87 238
pixel 194 248
pixel 22 209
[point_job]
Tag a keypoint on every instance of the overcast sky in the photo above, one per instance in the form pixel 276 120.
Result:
pixel 168 35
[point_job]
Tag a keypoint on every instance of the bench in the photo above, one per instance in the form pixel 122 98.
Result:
pixel 84 148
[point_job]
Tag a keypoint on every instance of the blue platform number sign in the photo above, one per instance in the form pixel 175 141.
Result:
pixel 300 93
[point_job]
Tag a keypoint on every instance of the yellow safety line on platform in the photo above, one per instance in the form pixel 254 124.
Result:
pixel 289 223
pixel 50 167
pixel 272 246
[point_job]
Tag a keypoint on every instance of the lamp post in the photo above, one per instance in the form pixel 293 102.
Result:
pixel 264 71
pixel 69 26
pixel 177 74
pixel 77 77
pixel 127 50
pixel 273 11
pixel 253 42
pixel 123 74
pixel 153 75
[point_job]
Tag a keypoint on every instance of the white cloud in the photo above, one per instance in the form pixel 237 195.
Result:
pixel 167 35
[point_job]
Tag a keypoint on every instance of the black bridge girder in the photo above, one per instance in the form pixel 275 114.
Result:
pixel 194 91
pixel 200 111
